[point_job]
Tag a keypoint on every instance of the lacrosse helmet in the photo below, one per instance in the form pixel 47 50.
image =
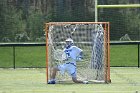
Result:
pixel 69 42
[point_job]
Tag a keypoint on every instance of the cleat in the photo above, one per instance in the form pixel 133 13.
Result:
pixel 51 82
pixel 85 82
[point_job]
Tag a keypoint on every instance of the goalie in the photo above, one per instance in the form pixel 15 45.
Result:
pixel 72 54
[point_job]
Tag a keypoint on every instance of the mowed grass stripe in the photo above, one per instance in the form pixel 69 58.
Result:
pixel 34 81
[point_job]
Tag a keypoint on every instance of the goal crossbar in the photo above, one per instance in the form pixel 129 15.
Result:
pixel 63 23
pixel 119 6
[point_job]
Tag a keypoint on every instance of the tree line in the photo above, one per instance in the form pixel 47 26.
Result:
pixel 24 20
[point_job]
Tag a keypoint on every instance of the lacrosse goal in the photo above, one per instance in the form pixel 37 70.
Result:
pixel 91 37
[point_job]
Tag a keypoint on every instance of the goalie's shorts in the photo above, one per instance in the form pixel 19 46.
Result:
pixel 68 67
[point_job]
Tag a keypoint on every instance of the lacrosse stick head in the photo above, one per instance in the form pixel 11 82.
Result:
pixel 59 55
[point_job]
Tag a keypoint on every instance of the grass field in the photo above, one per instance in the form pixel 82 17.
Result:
pixel 124 80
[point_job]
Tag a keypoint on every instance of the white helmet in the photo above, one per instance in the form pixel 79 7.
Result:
pixel 69 40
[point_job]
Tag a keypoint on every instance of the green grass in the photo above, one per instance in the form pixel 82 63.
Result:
pixel 120 55
pixel 124 55
pixel 6 57
pixel 124 80
pixel 25 56
pixel 30 56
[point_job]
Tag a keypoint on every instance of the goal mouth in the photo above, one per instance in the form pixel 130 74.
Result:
pixel 91 37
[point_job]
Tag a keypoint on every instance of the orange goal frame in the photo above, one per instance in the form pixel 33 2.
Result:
pixel 106 44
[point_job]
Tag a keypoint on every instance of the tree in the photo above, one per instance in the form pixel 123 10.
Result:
pixel 10 20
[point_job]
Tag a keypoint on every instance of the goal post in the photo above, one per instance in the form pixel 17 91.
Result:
pixel 112 6
pixel 91 37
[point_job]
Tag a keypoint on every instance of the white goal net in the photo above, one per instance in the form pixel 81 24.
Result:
pixel 92 38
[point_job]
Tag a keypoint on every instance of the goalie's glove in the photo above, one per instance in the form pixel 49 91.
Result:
pixel 78 58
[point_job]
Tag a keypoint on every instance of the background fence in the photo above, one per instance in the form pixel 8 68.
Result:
pixel 32 55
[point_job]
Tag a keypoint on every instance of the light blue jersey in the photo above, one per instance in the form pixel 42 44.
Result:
pixel 72 54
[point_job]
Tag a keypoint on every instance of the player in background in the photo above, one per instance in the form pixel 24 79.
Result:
pixel 73 54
